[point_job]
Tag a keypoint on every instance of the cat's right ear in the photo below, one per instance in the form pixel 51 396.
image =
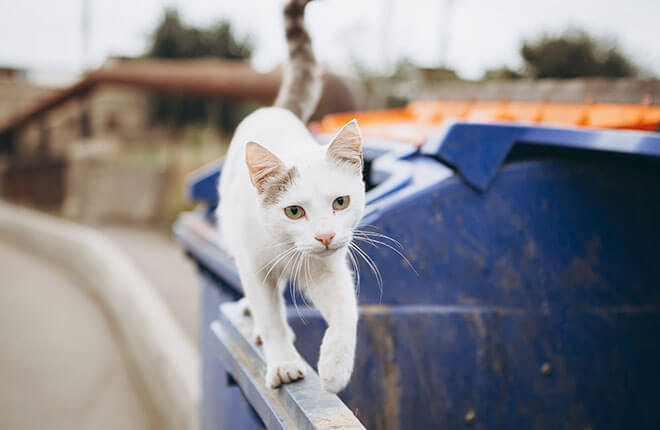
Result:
pixel 261 164
pixel 346 146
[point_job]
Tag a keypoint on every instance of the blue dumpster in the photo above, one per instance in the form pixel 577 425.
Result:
pixel 533 300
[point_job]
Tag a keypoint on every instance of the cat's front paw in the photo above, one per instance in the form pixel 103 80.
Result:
pixel 284 372
pixel 335 368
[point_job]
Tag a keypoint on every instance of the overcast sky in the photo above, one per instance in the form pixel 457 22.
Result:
pixel 45 34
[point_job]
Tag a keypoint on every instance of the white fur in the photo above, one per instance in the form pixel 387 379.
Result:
pixel 257 236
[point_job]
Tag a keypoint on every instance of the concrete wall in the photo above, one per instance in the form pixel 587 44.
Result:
pixel 107 191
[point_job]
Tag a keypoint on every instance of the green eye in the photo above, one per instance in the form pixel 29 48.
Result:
pixel 341 203
pixel 294 212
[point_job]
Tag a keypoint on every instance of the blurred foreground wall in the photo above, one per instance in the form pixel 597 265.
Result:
pixel 87 340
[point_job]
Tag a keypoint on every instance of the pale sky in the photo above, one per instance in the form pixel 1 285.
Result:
pixel 45 35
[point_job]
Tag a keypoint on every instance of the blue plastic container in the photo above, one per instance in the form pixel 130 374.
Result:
pixel 536 302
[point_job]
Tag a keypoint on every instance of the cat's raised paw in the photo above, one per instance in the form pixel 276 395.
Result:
pixel 335 369
pixel 284 372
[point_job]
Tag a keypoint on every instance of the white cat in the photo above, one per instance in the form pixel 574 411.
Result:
pixel 288 208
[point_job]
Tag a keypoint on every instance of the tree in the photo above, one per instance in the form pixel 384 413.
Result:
pixel 501 74
pixel 172 39
pixel 574 54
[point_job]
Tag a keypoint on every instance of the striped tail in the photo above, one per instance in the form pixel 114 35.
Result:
pixel 301 85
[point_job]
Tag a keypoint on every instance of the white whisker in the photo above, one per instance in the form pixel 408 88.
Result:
pixel 291 284
pixel 366 236
pixel 294 283
pixel 276 256
pixel 299 274
pixel 280 257
pixel 367 233
pixel 372 266
pixel 356 268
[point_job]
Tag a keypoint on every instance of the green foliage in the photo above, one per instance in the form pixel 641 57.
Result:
pixel 401 86
pixel 439 74
pixel 574 54
pixel 172 40
pixel 501 74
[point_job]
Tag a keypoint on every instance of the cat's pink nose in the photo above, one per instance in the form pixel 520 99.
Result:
pixel 325 238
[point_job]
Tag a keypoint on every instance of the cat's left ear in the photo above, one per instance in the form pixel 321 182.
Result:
pixel 346 146
pixel 261 164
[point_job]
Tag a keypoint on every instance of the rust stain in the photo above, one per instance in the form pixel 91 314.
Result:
pixel 461 251
pixel 530 250
pixel 339 418
pixel 382 344
pixel 374 309
pixel 479 324
pixel 510 280
pixel 482 332
pixel 579 272
pixel 463 300
pixel 480 261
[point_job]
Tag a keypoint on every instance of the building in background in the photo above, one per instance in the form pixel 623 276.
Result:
pixel 113 102
pixel 17 94
pixel 61 151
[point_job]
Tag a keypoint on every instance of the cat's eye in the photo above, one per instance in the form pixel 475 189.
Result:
pixel 341 203
pixel 294 212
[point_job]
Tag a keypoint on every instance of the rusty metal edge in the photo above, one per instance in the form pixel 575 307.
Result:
pixel 301 405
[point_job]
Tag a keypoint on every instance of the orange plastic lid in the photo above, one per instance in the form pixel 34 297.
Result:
pixel 420 119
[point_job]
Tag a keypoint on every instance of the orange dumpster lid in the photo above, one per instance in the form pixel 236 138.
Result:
pixel 422 118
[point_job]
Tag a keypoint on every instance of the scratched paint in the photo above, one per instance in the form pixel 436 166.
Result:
pixel 382 345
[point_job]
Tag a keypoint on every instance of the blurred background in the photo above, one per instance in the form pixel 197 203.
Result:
pixel 106 106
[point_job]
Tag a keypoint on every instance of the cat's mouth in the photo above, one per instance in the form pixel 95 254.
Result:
pixel 325 252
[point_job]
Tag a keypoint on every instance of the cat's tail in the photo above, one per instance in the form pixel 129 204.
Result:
pixel 301 85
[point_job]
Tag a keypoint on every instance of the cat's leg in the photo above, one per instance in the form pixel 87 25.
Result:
pixel 256 336
pixel 290 333
pixel 244 306
pixel 245 310
pixel 334 296
pixel 283 363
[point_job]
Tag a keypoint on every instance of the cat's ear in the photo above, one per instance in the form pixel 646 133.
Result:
pixel 346 146
pixel 261 164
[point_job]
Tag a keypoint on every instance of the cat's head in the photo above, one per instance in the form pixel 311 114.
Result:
pixel 316 199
